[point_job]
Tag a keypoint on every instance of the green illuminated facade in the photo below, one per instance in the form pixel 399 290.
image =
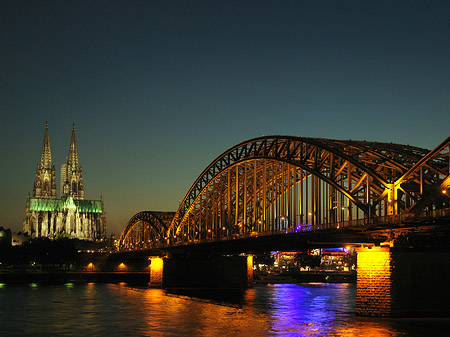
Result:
pixel 70 215
pixel 88 206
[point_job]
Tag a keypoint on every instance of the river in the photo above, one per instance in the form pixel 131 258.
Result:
pixel 310 309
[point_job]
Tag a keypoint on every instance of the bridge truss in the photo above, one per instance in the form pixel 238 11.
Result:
pixel 286 184
pixel 145 229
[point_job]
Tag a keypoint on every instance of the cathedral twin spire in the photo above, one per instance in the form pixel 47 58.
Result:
pixel 71 173
pixel 70 215
pixel 45 183
pixel 72 160
pixel 46 155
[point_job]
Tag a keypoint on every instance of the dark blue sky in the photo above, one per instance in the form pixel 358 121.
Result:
pixel 159 89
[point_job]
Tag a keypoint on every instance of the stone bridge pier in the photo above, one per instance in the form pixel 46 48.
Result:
pixel 403 282
pixel 213 271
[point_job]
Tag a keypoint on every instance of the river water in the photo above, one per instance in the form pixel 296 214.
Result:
pixel 313 309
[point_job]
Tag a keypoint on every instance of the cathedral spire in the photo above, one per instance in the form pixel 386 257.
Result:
pixel 72 160
pixel 45 182
pixel 71 173
pixel 46 155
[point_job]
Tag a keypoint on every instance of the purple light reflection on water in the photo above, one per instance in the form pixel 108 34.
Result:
pixel 326 310
pixel 314 309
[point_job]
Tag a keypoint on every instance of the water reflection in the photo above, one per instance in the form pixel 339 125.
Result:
pixel 310 308
pixel 119 310
pixel 200 312
pixel 303 310
pixel 227 297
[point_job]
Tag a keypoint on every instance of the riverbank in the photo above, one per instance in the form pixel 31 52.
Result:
pixel 305 277
pixel 72 277
pixel 144 277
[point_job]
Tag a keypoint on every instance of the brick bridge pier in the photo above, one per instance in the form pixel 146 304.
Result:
pixel 403 282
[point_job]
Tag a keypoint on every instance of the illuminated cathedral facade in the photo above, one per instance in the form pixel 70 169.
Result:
pixel 71 215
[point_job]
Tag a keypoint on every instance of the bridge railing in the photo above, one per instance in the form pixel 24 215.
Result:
pixel 387 220
pixel 441 213
pixel 391 219
pixel 406 218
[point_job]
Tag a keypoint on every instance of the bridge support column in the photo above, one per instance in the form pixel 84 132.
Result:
pixel 402 282
pixel 215 271
pixel 156 272
pixel 373 283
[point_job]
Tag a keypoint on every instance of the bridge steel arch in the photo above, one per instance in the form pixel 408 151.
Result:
pixel 145 230
pixel 284 183
pixel 427 183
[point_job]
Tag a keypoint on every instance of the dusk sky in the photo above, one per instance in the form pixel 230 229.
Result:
pixel 158 89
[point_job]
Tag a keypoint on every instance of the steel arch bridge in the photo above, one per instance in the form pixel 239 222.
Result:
pixel 282 184
pixel 146 229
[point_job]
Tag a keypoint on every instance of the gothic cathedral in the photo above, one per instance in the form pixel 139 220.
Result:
pixel 70 215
